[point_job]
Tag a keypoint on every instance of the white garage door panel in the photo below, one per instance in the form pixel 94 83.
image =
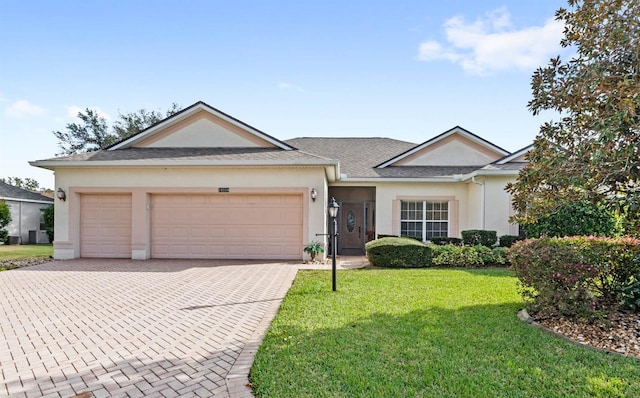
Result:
pixel 226 226
pixel 105 226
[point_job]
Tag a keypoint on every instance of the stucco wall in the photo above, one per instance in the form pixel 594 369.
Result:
pixel 25 217
pixel 387 193
pixel 498 205
pixel 468 197
pixel 142 181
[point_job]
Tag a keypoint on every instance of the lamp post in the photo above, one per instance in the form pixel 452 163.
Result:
pixel 333 213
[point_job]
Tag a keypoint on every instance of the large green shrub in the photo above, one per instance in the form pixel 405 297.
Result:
pixel 630 299
pixel 508 240
pixel 446 240
pixel 468 256
pixel 575 276
pixel 500 256
pixel 457 256
pixel 49 221
pixel 5 219
pixel 482 237
pixel 398 253
pixel 575 218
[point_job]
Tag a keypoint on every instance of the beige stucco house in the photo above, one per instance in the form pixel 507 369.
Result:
pixel 202 184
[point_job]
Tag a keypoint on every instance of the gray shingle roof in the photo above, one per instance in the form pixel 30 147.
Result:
pixel 357 156
pixel 191 154
pixel 11 192
pixel 423 171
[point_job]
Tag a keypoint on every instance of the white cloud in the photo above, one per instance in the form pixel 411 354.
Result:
pixel 289 86
pixel 73 110
pixel 491 43
pixel 23 108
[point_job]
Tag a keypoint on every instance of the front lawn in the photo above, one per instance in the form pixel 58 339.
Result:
pixel 424 333
pixel 21 252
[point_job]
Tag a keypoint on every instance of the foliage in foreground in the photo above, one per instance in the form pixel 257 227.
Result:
pixel 591 151
pixel 576 276
pixel 423 333
pixel 573 219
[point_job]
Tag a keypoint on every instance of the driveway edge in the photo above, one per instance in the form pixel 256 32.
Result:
pixel 237 379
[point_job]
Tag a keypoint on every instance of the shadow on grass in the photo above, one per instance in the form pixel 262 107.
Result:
pixel 475 351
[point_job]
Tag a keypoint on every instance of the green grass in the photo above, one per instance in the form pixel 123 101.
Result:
pixel 21 252
pixel 424 333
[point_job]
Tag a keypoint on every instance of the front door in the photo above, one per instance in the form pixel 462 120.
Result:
pixel 352 228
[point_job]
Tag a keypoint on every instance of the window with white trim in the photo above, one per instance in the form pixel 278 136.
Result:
pixel 423 219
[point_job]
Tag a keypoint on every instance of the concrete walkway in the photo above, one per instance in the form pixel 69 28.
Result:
pixel 122 328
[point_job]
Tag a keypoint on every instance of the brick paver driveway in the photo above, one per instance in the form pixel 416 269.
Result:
pixel 135 328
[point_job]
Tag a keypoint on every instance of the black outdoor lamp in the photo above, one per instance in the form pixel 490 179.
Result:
pixel 333 213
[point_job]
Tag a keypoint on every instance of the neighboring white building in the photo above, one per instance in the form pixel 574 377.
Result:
pixel 202 184
pixel 27 217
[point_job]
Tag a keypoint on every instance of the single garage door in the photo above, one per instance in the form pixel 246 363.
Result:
pixel 226 226
pixel 105 226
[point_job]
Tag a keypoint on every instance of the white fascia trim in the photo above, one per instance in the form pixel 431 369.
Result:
pixel 198 107
pixel 428 179
pixel 515 155
pixel 335 176
pixel 133 163
pixel 479 173
pixel 27 200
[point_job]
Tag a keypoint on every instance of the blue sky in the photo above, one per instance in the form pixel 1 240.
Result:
pixel 402 69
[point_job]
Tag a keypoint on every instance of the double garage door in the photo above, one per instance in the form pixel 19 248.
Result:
pixel 215 226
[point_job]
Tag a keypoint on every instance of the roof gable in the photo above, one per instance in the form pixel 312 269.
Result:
pixel 201 126
pixel 455 147
pixel 519 156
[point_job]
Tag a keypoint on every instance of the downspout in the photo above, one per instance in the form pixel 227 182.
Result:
pixel 482 203
pixel 20 222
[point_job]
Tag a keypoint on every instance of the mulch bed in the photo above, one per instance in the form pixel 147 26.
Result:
pixel 619 333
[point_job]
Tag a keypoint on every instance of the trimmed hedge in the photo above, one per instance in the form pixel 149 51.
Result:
pixel 469 256
pixel 482 237
pixel 576 276
pixel 508 240
pixel 457 256
pixel 446 240
pixel 398 253
pixel 394 252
